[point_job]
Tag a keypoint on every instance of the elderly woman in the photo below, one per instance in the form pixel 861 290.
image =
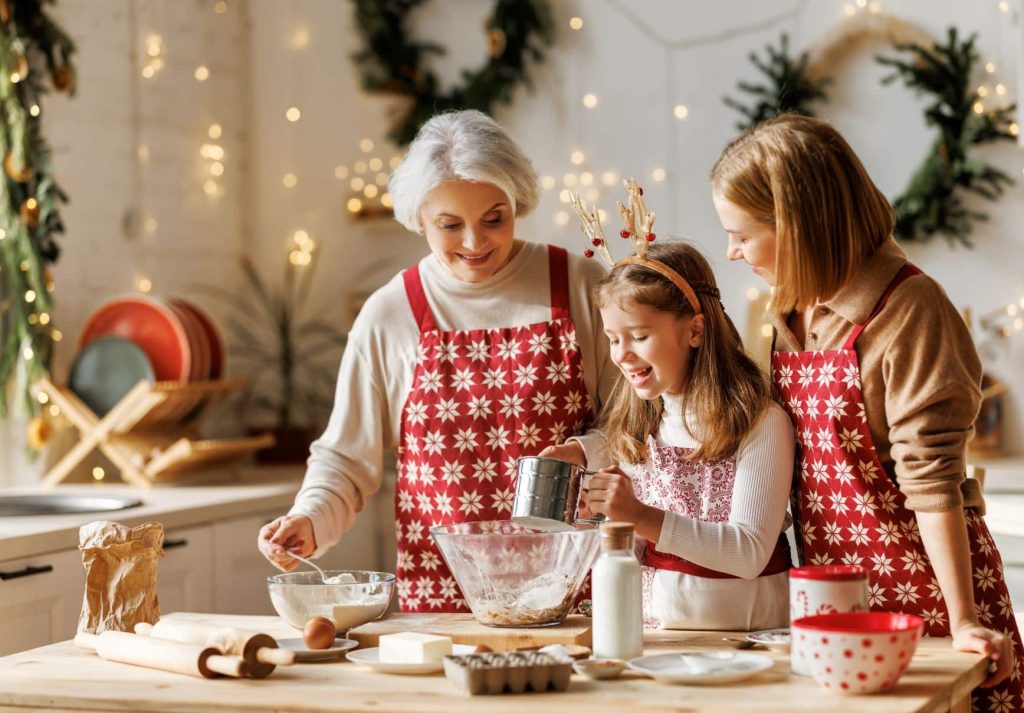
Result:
pixel 487 350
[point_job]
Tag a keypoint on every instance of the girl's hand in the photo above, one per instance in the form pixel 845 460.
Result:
pixel 999 648
pixel 571 451
pixel 288 533
pixel 610 493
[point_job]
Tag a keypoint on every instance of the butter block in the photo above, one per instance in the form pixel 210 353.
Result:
pixel 411 647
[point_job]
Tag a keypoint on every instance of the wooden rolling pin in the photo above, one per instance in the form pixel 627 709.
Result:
pixel 260 651
pixel 174 656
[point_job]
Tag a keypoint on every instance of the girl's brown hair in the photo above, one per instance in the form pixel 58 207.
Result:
pixel 798 175
pixel 725 392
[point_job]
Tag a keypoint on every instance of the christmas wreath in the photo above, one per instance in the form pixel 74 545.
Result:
pixel 391 62
pixel 933 200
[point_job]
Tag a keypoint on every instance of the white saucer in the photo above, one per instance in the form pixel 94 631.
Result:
pixel 371 658
pixel 701 667
pixel 304 654
pixel 772 639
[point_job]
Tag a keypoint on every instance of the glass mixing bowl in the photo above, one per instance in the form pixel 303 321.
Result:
pixel 516 575
pixel 349 598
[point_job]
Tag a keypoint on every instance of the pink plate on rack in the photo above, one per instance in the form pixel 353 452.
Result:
pixel 152 326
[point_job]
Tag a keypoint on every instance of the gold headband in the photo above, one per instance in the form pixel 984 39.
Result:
pixel 639 224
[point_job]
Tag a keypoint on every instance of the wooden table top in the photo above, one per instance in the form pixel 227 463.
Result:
pixel 64 678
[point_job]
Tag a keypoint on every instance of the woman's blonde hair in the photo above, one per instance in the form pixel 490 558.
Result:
pixel 725 393
pixel 798 175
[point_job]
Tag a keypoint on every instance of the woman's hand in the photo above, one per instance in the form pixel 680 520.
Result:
pixel 999 648
pixel 570 451
pixel 288 533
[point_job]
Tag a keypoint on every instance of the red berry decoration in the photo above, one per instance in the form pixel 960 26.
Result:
pixel 624 233
pixel 588 253
pixel 651 237
pixel 595 241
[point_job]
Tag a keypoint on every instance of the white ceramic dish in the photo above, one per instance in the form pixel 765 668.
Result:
pixel 599 669
pixel 304 654
pixel 371 658
pixel 772 639
pixel 700 668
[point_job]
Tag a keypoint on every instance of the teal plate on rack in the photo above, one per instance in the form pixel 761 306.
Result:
pixel 107 369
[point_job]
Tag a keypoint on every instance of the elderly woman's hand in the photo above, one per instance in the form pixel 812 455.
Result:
pixel 288 533
pixel 570 451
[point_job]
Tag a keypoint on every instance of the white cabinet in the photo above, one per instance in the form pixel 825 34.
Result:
pixel 40 599
pixel 185 575
pixel 239 570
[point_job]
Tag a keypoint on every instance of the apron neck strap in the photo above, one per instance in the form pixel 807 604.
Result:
pixel 907 271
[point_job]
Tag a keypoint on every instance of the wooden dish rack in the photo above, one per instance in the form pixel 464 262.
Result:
pixel 152 433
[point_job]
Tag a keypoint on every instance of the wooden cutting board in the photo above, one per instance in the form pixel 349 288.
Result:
pixel 464 629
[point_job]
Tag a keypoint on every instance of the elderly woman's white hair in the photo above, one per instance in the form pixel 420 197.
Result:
pixel 467 146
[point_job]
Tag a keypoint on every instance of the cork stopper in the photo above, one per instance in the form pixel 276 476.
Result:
pixel 616 536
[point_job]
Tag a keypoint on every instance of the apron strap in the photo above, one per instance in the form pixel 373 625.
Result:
pixel 780 561
pixel 558 269
pixel 418 300
pixel 907 271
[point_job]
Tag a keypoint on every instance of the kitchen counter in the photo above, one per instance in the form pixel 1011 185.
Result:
pixel 62 677
pixel 254 490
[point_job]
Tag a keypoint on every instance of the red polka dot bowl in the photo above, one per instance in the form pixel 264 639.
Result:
pixel 857 652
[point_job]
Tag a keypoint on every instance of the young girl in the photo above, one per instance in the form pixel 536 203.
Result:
pixel 881 379
pixel 705 457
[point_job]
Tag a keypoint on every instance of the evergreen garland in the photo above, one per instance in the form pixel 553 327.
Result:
pixel 391 62
pixel 34 51
pixel 932 202
pixel 788 89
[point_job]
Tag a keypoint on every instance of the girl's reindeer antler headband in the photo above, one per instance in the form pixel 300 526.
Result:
pixel 639 224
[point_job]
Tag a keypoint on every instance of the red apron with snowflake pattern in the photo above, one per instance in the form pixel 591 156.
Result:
pixel 480 399
pixel 849 511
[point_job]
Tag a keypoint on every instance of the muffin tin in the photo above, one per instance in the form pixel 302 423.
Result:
pixel 508 672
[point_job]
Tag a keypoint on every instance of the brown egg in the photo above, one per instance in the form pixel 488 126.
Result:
pixel 482 649
pixel 319 633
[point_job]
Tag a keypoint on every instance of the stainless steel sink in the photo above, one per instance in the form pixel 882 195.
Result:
pixel 62 504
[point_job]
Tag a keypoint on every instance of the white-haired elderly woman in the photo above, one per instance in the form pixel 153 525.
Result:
pixel 487 350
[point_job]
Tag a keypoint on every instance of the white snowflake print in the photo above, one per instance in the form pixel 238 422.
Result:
pixel 485 470
pixel 424 587
pixel 806 375
pixel 574 402
pixel 883 565
pixel 934 591
pixel 470 502
pixel 498 437
pixel 568 342
pixel 824 439
pixel 447 409
pixel 876 596
pixel 430 381
pixel 508 349
pixel 447 351
pixel 811 405
pixel 887 501
pixel 448 588
pixel 819 470
pixel 525 375
pixel 985 578
pixel 807 533
pixel 934 617
pixel 444 504
pixel 984 612
pixel 558 373
pixel 821 558
pixel 1005 606
pixel 859 534
pixel 544 402
pixel 405 501
pixel 558 432
pixel 861 414
pixel 416 413
pixel 864 503
pixel 413 602
pixel 834 406
pixel 851 377
pixel 451 473
pixel 479 407
pixel 850 440
pixel 429 560
pixel 840 507
pixel 853 558
pixel 404 588
pixel 807 438
pixel 784 375
pixel 815 502
pixel 503 500
pixel 414 531
pixel 910 531
pixel 490 526
pixel 905 593
pixel 833 533
pixel 412 444
pixel 1002 701
pixel 433 443
pixel 435 602
pixel 539 344
pixel 403 560
pixel 463 379
pixel 465 440
pixel 889 533
pixel 424 503
pixel 868 470
pixel 795 408
pixel 477 351
pixel 422 353
pixel 844 472
pixel 426 474
pixel 494 378
pixel 511 405
pixel 985 547
pixel 826 374
pixel 529 435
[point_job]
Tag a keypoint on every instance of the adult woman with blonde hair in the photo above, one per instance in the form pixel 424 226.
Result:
pixel 486 350
pixel 881 379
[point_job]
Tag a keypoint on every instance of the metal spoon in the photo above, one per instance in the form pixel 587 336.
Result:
pixel 311 564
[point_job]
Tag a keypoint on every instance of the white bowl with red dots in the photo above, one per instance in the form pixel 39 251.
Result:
pixel 857 652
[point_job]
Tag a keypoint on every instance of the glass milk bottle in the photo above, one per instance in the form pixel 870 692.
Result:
pixel 616 593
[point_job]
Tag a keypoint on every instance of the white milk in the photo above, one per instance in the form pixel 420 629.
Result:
pixel 618 628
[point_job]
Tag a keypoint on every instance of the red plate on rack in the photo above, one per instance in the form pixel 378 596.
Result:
pixel 198 345
pixel 152 326
pixel 214 338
